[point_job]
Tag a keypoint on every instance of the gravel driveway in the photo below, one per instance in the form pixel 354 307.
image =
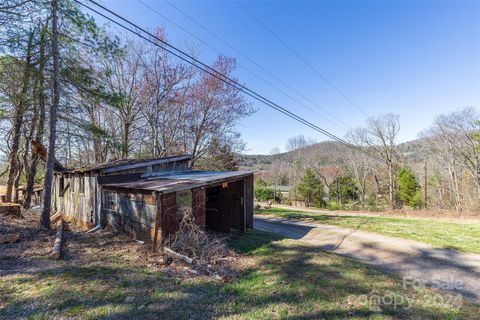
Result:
pixel 452 270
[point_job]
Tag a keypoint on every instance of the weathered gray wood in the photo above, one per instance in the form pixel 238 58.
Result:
pixel 55 217
pixel 62 192
pixel 158 220
pixel 145 164
pixel 57 246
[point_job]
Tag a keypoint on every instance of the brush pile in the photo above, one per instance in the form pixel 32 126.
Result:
pixel 206 252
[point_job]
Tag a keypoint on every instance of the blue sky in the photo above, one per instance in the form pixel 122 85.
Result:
pixel 416 59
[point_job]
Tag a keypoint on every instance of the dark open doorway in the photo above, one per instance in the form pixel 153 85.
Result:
pixel 225 207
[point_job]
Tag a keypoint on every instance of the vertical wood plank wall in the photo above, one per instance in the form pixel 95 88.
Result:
pixel 169 210
pixel 198 206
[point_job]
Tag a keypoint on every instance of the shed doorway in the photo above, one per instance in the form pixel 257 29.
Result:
pixel 225 209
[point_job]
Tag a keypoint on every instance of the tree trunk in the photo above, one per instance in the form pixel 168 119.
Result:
pixel 18 122
pixel 97 142
pixel 16 181
pixel 40 97
pixel 363 191
pixel 391 187
pixel 47 188
pixel 126 142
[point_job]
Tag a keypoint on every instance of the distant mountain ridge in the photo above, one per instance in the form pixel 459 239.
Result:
pixel 413 152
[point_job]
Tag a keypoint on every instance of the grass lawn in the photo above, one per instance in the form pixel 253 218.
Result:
pixel 105 277
pixel 459 236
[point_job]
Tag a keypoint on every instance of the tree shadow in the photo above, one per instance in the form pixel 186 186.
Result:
pixel 289 279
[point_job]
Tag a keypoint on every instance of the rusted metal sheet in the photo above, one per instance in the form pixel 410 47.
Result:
pixel 198 206
pixel 161 185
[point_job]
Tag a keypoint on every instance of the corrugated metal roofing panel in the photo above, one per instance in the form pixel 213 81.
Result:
pixel 128 162
pixel 196 175
pixel 178 180
pixel 155 185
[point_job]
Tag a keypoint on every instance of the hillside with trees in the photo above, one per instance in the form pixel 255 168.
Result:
pixel 439 170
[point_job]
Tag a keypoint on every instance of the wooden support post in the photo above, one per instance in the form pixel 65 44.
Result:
pixel 158 220
pixel 198 206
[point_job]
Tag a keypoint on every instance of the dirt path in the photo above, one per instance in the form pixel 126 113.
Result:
pixel 416 261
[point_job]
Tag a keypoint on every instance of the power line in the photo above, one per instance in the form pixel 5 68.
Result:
pixel 256 64
pixel 340 124
pixel 211 71
pixel 214 73
pixel 308 64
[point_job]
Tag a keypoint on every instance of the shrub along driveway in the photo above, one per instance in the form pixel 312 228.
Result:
pixel 416 261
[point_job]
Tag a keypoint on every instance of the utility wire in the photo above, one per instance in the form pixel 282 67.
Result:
pixel 308 64
pixel 340 124
pixel 257 64
pixel 214 73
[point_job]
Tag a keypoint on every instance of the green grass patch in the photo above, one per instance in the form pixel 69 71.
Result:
pixel 458 236
pixel 284 279
pixel 294 280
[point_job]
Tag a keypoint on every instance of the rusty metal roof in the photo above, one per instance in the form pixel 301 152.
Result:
pixel 196 175
pixel 113 165
pixel 179 180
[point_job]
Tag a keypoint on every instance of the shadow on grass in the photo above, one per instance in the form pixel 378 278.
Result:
pixel 253 240
pixel 298 281
pixel 289 279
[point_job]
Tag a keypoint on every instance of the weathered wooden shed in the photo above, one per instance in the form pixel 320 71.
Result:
pixel 146 198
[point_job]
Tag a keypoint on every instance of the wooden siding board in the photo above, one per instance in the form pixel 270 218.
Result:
pixel 158 220
pixel 169 214
pixel 198 206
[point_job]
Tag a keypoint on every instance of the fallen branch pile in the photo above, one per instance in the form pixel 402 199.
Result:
pixel 206 252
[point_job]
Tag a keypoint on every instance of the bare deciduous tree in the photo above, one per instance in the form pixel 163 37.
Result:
pixel 380 135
